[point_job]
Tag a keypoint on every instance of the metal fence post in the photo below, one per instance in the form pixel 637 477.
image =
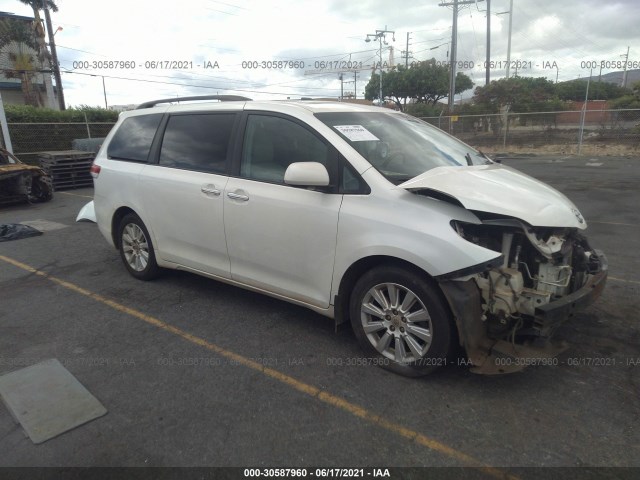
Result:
pixel 583 114
pixel 86 122
pixel 506 126
pixel 5 128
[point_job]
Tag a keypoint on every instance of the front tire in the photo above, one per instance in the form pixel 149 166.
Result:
pixel 136 248
pixel 401 321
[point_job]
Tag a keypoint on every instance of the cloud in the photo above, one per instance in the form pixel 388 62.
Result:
pixel 235 32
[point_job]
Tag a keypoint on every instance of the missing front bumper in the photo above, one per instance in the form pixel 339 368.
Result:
pixel 492 356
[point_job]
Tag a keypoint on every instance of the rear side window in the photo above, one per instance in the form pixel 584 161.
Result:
pixel 132 141
pixel 197 142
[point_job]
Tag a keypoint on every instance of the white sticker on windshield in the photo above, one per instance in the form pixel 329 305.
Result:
pixel 356 133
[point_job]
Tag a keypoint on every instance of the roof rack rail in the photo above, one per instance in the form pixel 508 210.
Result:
pixel 222 98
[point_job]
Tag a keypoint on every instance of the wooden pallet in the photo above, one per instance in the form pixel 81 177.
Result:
pixel 68 168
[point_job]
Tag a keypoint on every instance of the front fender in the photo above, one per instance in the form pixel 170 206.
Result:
pixel 408 227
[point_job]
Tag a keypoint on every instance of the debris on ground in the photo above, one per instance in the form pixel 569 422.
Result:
pixel 22 183
pixel 17 231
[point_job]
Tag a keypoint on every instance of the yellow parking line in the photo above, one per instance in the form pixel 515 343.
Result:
pixel 74 194
pixel 609 277
pixel 305 388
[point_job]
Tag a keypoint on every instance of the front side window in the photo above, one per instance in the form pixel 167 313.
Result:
pixel 197 142
pixel 133 139
pixel 400 146
pixel 271 144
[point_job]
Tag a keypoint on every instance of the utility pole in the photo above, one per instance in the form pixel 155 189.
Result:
pixel 509 42
pixel 454 47
pixel 624 75
pixel 380 35
pixel 584 113
pixel 353 94
pixel 406 52
pixel 340 72
pixel 355 85
pixel 454 52
pixel 104 90
pixel 488 61
pixel 54 56
pixel 341 87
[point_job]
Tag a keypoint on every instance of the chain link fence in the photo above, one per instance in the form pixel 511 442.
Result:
pixel 612 132
pixel 607 132
pixel 28 139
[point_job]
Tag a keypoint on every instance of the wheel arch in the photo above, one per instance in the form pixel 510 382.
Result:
pixel 117 217
pixel 363 265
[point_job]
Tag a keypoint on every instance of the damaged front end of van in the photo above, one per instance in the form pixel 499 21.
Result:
pixel 545 270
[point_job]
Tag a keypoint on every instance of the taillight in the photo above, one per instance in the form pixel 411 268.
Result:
pixel 95 170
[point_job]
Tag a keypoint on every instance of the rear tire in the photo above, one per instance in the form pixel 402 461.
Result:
pixel 136 248
pixel 400 321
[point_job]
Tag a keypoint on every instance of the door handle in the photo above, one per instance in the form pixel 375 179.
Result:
pixel 237 196
pixel 210 189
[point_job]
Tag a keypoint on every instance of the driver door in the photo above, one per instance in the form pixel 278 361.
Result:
pixel 281 238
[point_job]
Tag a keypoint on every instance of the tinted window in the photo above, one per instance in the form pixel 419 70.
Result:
pixel 271 144
pixel 350 182
pixel 133 139
pixel 197 142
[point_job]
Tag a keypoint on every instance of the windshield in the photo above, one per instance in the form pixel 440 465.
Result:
pixel 400 146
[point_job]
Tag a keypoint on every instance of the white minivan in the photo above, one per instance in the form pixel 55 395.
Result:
pixel 359 213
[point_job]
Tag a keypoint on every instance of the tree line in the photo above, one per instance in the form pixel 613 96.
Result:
pixel 419 89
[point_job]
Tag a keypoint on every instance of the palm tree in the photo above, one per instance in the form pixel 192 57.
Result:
pixel 15 35
pixel 44 57
pixel 40 4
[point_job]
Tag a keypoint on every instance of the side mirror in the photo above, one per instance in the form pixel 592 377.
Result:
pixel 307 174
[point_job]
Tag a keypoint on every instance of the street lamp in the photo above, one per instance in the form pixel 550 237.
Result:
pixel 380 35
pixel 104 90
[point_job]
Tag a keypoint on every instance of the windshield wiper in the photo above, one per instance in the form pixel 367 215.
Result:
pixel 489 161
pixel 469 161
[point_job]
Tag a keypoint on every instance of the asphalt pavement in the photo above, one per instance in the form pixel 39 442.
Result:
pixel 197 373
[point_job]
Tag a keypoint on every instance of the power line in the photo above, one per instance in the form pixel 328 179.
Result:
pixel 226 79
pixel 230 5
pixel 194 86
pixel 220 11
pixel 83 51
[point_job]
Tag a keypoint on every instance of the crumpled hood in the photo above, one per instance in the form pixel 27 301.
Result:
pixel 499 189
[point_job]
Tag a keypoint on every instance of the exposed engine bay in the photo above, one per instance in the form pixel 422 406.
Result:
pixel 545 274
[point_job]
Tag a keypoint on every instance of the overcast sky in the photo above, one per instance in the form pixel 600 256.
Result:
pixel 195 32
